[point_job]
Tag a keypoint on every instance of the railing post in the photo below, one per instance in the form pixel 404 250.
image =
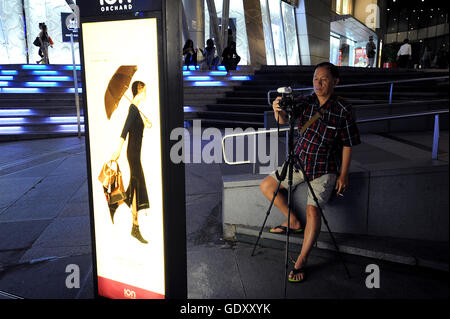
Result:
pixel 390 93
pixel 434 153
pixel 75 81
pixel 254 154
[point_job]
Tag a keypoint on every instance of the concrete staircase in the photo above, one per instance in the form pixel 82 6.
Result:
pixel 38 101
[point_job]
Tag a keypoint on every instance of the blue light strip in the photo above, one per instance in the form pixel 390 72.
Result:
pixel 8 78
pixel 187 72
pixel 12 120
pixel 198 78
pixel 11 129
pixel 218 73
pixel 55 78
pixel 35 67
pixel 4 83
pixel 209 83
pixel 221 68
pixel 16 112
pixel 70 67
pixel 42 84
pixel 188 109
pixel 20 90
pixel 64 119
pixel 70 128
pixel 72 90
pixel 9 72
pixel 240 78
pixel 48 72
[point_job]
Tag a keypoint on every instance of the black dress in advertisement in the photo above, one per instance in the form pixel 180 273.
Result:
pixel 134 128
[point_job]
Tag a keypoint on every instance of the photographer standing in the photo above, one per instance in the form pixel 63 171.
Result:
pixel 324 147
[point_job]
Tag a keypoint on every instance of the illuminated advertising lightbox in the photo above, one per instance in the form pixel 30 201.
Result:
pixel 123 108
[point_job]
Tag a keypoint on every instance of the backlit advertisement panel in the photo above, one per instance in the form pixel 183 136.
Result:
pixel 123 110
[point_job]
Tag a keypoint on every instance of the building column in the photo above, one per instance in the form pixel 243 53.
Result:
pixel 255 32
pixel 195 18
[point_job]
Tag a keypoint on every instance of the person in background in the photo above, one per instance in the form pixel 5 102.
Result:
pixel 404 54
pixel 45 42
pixel 210 54
pixel 189 53
pixel 370 51
pixel 230 57
pixel 426 58
pixel 442 57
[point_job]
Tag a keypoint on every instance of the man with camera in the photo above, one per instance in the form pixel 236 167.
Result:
pixel 323 149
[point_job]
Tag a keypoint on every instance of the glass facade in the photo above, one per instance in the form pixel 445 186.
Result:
pixel 290 34
pixel 237 22
pixel 277 32
pixel 270 52
pixel 15 45
pixel 279 26
pixel 12 32
pixel 334 49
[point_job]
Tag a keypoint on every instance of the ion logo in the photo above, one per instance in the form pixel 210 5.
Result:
pixel 115 5
pixel 127 293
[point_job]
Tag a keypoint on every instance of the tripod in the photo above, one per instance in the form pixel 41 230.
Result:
pixel 288 168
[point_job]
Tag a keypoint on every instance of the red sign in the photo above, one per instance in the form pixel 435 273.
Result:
pixel 361 57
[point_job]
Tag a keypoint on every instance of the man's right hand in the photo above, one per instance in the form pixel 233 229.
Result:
pixel 280 115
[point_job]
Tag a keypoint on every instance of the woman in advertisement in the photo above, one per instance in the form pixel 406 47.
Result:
pixel 137 197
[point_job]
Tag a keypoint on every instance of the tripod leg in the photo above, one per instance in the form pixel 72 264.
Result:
pixel 267 215
pixel 286 257
pixel 335 244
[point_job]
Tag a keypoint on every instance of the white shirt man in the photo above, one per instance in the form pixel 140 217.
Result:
pixel 404 54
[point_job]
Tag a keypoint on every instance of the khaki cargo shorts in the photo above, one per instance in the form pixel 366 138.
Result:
pixel 322 186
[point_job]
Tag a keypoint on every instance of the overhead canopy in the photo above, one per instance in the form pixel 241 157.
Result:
pixel 351 28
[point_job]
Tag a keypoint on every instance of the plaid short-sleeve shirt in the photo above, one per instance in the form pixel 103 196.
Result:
pixel 319 149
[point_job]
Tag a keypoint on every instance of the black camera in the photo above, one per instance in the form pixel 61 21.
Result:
pixel 288 103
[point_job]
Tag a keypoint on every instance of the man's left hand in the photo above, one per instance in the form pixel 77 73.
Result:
pixel 341 183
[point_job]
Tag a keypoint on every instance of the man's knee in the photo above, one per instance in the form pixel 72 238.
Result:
pixel 268 185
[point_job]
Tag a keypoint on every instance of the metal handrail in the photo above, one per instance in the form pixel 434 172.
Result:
pixel 384 118
pixel 367 84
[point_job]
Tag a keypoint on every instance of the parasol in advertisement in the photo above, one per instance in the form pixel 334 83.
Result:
pixel 117 87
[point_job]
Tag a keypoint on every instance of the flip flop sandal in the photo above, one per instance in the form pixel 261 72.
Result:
pixel 296 272
pixel 284 230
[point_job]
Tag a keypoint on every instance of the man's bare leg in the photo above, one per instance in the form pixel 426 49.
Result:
pixel 313 223
pixel 268 187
